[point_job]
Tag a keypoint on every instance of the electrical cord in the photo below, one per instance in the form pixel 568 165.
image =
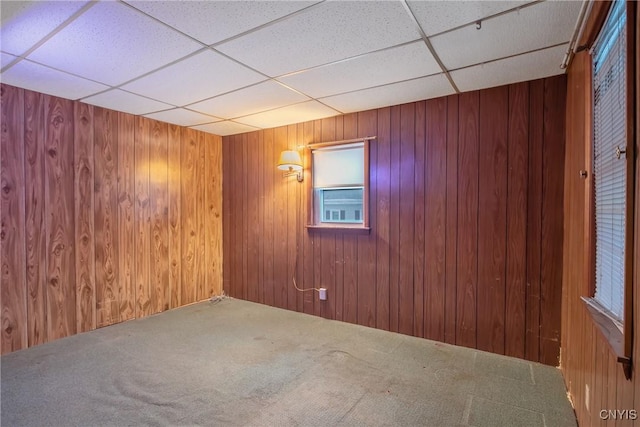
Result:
pixel 303 290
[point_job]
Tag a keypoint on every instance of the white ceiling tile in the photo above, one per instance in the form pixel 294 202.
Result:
pixel 112 43
pixel 24 23
pixel 263 96
pixel 325 33
pixel 213 21
pixel 120 100
pixel 201 76
pixel 29 75
pixel 400 63
pixel 437 16
pixel 182 117
pixel 541 25
pixel 6 59
pixel 305 111
pixel 393 94
pixel 531 66
pixel 225 128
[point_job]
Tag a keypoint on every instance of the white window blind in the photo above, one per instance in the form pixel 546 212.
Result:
pixel 609 171
pixel 339 166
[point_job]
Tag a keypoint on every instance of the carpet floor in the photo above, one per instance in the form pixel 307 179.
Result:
pixel 237 363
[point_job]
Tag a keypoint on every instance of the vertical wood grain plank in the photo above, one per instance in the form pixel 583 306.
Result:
pixel 12 233
pixel 269 174
pixel 367 126
pixel 201 284
pixel 420 263
pixel 144 292
pixel 349 293
pixel 106 217
pixel 467 244
pixel 552 218
pixel 237 219
pixel 261 165
pixel 407 207
pixel 435 218
pixel 234 283
pixel 317 241
pixel 534 220
pixel 188 171
pixel 84 217
pixel 252 199
pixel 175 223
pixel 451 221
pixel 280 221
pixel 159 213
pixel 492 199
pixel 394 220
pixel 517 219
pixel 292 225
pixel 383 197
pixel 126 216
pixel 213 215
pixel 300 207
pixel 307 238
pixel 59 193
pixel 34 211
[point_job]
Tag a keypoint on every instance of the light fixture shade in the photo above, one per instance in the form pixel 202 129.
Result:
pixel 290 160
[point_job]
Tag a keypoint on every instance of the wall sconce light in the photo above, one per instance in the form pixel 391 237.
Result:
pixel 291 163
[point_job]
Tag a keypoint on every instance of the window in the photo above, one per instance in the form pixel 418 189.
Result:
pixel 339 175
pixel 613 179
pixel 609 169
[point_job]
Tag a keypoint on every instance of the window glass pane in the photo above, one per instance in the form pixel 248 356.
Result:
pixel 345 204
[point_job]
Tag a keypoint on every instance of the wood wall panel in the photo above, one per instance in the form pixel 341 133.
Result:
pixel 383 222
pixel 12 233
pixel 159 209
pixel 213 216
pixel 435 210
pixel 106 217
pixel 518 145
pixel 175 205
pixel 450 187
pixel 467 245
pixel 142 219
pixel 126 216
pixel 84 217
pixel 492 232
pixel 189 159
pixel 92 224
pixel 587 360
pixel 367 125
pixel 34 212
pixel 552 219
pixel 451 232
pixel 420 212
pixel 59 218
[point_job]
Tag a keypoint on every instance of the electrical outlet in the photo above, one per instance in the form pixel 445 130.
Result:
pixel 323 294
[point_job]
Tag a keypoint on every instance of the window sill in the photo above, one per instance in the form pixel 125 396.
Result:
pixel 346 229
pixel 611 333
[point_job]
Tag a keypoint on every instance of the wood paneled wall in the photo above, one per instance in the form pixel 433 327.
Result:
pixel 106 217
pixel 466 221
pixel 593 376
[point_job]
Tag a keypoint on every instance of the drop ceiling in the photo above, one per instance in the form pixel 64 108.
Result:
pixel 228 67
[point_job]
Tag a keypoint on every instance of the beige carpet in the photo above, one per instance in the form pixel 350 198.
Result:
pixel 238 363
